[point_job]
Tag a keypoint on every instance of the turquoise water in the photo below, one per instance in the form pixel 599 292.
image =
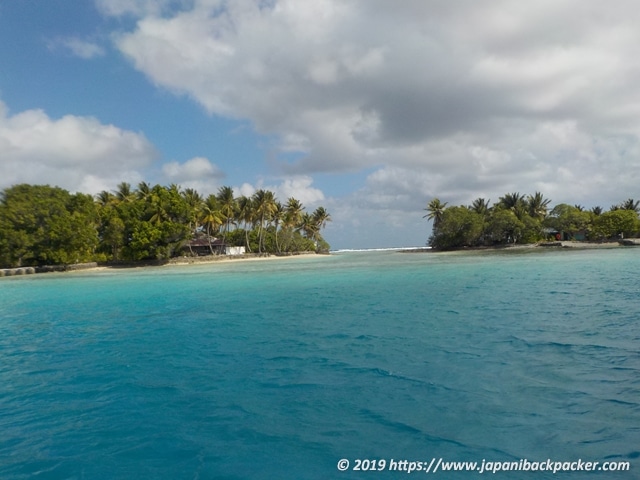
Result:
pixel 279 369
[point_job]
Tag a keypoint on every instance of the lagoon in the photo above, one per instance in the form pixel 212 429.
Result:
pixel 280 369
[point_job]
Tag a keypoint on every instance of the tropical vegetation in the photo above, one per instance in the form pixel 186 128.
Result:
pixel 520 219
pixel 44 225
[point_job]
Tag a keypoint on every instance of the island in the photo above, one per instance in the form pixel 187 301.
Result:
pixel 45 228
pixel 517 219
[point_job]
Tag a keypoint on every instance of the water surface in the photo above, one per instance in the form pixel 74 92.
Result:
pixel 264 370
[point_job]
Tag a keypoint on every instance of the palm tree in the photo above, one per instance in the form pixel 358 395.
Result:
pixel 211 217
pixel 246 215
pixel 630 204
pixel 511 200
pixel 293 210
pixel 481 206
pixel 194 205
pixel 435 210
pixel 579 207
pixel 293 215
pixel 277 216
pixel 144 191
pixel 320 216
pixel 597 210
pixel 157 205
pixel 124 192
pixel 227 206
pixel 105 198
pixel 308 226
pixel 537 205
pixel 264 204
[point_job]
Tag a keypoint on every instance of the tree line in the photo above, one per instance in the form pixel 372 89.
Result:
pixel 517 218
pixel 44 225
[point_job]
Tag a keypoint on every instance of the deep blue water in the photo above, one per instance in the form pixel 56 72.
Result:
pixel 277 370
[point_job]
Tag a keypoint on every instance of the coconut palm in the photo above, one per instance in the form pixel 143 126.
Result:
pixel 308 226
pixel 293 210
pixel 124 193
pixel 321 217
pixel 630 204
pixel 246 214
pixel 277 216
pixel 435 209
pixel 292 214
pixel 211 218
pixel 194 204
pixel 537 205
pixel 227 205
pixel 481 206
pixel 597 210
pixel 144 191
pixel 511 200
pixel 157 205
pixel 105 198
pixel 264 204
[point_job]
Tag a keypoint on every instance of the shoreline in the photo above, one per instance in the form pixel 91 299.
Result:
pixel 554 245
pixel 254 257
pixel 177 261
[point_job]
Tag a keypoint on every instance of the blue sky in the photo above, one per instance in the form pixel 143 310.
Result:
pixel 367 107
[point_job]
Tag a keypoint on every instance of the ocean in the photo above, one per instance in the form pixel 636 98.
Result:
pixel 353 365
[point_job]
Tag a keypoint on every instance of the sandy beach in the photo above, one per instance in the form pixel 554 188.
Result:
pixel 179 261
pixel 234 258
pixel 208 260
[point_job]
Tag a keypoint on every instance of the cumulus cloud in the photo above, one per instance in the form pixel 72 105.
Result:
pixel 472 98
pixel 300 187
pixel 341 83
pixel 78 153
pixel 198 173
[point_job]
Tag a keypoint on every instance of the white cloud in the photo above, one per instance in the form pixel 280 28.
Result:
pixel 244 190
pixel 78 153
pixel 198 173
pixel 456 100
pixel 447 70
pixel 78 47
pixel 299 187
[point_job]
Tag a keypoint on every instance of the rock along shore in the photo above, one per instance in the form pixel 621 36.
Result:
pixel 12 272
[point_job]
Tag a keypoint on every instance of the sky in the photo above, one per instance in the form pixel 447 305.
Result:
pixel 370 108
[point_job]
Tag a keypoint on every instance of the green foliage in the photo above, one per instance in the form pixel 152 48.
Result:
pixel 616 223
pixel 504 227
pixel 517 218
pixel 458 227
pixel 533 230
pixel 46 225
pixel 569 219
